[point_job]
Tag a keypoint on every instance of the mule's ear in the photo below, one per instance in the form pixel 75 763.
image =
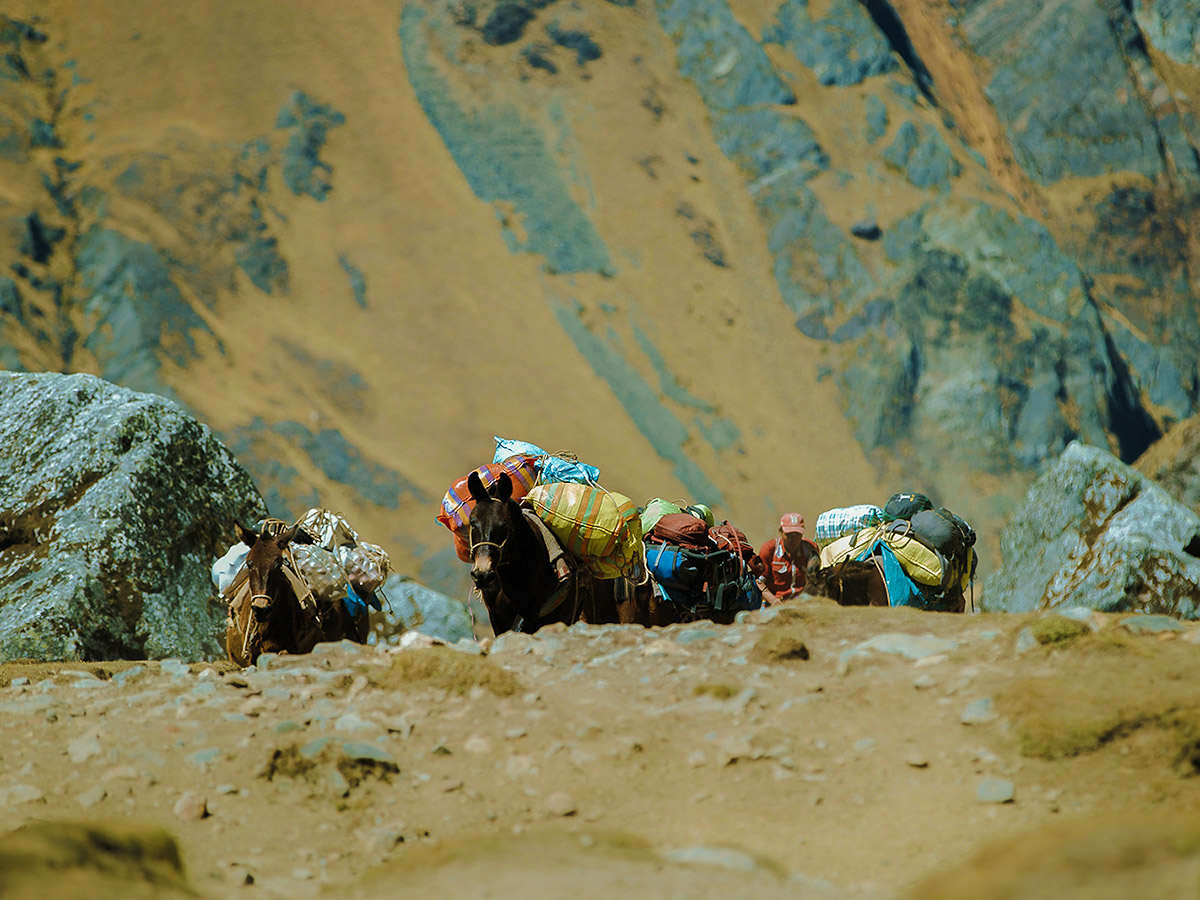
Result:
pixel 285 537
pixel 245 535
pixel 504 488
pixel 475 486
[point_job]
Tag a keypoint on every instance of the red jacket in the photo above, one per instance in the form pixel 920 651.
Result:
pixel 785 577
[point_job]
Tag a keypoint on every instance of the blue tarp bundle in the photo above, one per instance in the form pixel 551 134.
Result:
pixel 356 604
pixel 552 468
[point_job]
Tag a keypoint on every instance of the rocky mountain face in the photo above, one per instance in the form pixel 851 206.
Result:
pixel 768 255
pixel 113 505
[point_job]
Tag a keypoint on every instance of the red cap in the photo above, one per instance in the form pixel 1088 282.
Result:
pixel 792 522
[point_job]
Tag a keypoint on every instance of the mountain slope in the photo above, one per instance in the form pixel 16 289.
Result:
pixel 765 255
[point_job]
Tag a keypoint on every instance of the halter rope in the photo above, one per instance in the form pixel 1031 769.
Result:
pixel 499 546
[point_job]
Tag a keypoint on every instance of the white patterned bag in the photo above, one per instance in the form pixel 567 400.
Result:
pixel 225 569
pixel 327 529
pixel 366 566
pixel 837 523
pixel 320 570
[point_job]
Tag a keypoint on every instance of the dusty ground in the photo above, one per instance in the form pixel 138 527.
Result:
pixel 812 752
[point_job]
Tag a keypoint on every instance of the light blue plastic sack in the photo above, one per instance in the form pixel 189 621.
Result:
pixel 506 448
pixel 551 468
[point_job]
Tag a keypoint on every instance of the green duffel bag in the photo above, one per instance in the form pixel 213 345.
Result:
pixel 655 509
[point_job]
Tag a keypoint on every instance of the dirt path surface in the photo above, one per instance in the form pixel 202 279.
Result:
pixel 808 751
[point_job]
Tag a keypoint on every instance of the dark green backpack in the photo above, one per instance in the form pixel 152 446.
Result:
pixel 950 536
pixel 905 505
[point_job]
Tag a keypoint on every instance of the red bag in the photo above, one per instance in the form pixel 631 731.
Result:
pixel 462 543
pixel 458 502
pixel 733 539
pixel 682 530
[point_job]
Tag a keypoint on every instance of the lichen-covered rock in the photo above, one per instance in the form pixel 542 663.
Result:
pixel 113 505
pixel 842 45
pixel 1094 120
pixel 1172 26
pixel 1095 532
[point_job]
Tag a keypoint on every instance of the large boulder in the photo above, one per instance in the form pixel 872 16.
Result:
pixel 412 606
pixel 113 506
pixel 1095 532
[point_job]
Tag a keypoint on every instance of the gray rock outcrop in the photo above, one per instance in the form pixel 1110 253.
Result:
pixel 1095 532
pixel 113 505
pixel 411 606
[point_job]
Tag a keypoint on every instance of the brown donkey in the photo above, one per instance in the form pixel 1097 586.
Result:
pixel 272 610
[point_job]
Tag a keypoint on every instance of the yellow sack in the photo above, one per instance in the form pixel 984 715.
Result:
pixel 848 546
pixel 599 528
pixel 922 563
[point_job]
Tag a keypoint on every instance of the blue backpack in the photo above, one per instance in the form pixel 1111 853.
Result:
pixel 696 580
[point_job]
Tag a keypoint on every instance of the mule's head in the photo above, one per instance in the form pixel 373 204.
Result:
pixel 819 582
pixel 491 526
pixel 265 565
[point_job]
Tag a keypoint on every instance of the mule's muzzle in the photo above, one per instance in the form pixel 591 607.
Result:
pixel 260 606
pixel 483 578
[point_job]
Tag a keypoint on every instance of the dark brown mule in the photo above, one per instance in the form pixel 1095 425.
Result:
pixel 266 615
pixel 850 583
pixel 510 564
pixel 853 583
pixel 638 603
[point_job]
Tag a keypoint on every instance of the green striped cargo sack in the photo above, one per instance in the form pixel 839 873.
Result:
pixel 599 528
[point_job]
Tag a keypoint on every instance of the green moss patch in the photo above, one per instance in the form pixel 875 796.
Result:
pixel 1111 857
pixel 1113 687
pixel 450 670
pixel 781 644
pixel 720 691
pixel 1056 629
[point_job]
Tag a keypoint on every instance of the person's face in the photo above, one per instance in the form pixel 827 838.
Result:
pixel 792 542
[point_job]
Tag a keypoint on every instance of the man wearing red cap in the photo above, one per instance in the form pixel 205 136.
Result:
pixel 785 558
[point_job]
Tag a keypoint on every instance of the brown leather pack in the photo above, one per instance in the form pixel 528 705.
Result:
pixel 730 537
pixel 681 530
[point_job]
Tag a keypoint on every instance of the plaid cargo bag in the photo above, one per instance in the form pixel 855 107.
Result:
pixel 599 528
pixel 835 523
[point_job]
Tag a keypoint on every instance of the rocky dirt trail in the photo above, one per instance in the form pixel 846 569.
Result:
pixel 809 751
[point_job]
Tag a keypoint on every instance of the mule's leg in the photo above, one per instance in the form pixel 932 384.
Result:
pixel 625 603
pixel 359 627
pixel 233 643
pixel 600 607
pixel 238 637
pixel 956 600
pixel 501 614
pixel 660 611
